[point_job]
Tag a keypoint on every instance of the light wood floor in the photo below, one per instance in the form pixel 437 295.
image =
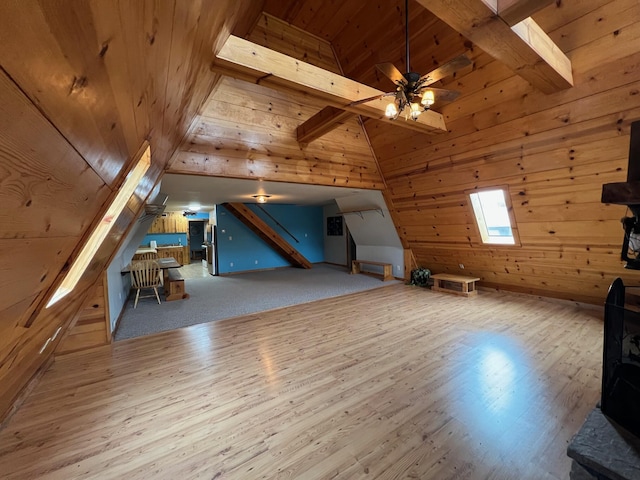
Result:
pixel 398 382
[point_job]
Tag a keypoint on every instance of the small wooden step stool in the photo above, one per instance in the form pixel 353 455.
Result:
pixel 458 284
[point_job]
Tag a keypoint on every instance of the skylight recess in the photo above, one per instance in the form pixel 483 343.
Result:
pixel 102 229
pixel 492 213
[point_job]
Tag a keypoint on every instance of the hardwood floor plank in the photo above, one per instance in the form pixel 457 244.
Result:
pixel 389 383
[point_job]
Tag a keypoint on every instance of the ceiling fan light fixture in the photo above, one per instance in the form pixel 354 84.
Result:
pixel 428 98
pixel 416 110
pixel 391 110
pixel 413 95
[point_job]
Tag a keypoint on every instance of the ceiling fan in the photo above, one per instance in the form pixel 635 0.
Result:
pixel 413 92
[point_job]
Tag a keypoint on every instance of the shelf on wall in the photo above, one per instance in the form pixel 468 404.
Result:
pixel 361 211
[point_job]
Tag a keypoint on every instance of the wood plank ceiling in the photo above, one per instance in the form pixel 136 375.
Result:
pixel 249 131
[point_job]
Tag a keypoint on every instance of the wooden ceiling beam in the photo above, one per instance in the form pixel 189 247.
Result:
pixel 514 11
pixel 244 60
pixel 524 47
pixel 322 123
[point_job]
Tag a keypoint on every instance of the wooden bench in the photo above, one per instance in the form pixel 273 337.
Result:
pixel 458 284
pixel 386 268
pixel 174 285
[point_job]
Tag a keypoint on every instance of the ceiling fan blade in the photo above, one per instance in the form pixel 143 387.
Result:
pixel 392 72
pixel 440 94
pixel 370 99
pixel 445 70
pixel 364 100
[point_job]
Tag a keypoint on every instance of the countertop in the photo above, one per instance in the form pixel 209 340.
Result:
pixel 142 250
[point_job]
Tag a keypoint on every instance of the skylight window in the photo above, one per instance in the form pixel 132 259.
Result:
pixel 493 217
pixel 102 229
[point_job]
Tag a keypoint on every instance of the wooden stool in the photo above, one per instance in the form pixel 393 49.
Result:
pixel 174 286
pixel 458 284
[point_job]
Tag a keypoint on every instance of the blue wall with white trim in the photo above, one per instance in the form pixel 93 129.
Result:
pixel 239 249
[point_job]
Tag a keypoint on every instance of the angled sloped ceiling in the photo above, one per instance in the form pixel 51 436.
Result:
pixel 82 87
pixel 249 131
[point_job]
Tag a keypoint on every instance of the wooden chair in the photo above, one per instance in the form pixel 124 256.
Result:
pixel 145 274
pixel 146 256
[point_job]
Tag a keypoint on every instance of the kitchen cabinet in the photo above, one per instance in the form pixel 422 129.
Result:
pixel 171 222
pixel 180 253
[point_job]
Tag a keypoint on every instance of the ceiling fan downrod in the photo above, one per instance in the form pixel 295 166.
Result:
pixel 413 95
pixel 406 34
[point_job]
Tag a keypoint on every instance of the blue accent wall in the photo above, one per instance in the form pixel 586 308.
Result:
pixel 164 239
pixel 239 246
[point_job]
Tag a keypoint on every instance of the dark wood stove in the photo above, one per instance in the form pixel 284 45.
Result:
pixel 620 399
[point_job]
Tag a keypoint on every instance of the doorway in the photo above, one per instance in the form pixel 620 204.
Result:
pixel 196 239
pixel 351 249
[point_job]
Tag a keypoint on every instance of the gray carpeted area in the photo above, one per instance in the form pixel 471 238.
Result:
pixel 216 298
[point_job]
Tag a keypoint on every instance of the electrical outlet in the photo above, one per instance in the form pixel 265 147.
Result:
pixel 256 262
pixel 305 234
pixel 231 264
pixel 461 266
pixel 230 237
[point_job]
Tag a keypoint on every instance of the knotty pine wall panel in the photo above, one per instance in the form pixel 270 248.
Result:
pixel 89 327
pixel 432 43
pixel 278 35
pixel 20 358
pixel 46 212
pixel 81 89
pixel 249 131
pixel 600 90
pixel 55 58
pixel 554 152
pixel 227 140
pixel 531 270
pixel 313 17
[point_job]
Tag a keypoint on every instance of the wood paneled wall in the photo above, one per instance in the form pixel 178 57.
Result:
pixel 81 87
pixel 249 131
pixel 170 222
pixel 553 152
pixel 90 326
